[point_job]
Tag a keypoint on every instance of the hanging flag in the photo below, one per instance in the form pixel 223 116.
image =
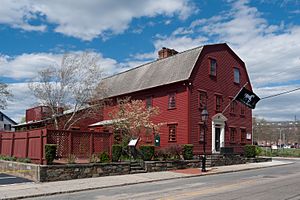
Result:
pixel 247 97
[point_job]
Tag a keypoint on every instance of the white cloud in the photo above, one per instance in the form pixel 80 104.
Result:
pixel 88 19
pixel 26 66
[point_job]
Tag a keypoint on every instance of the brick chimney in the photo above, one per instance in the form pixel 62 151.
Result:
pixel 165 52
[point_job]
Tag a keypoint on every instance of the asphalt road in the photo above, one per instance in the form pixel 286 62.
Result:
pixel 282 182
pixel 6 179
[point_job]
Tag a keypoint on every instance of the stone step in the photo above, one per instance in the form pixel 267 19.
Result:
pixel 136 168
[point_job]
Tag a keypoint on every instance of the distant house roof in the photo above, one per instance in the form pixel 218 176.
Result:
pixel 7 118
pixel 164 71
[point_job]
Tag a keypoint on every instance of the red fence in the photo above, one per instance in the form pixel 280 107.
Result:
pixel 31 144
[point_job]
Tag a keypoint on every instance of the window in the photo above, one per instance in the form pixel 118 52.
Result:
pixel 1 117
pixel 233 106
pixel 172 101
pixel 218 103
pixel 213 67
pixel 172 132
pixel 201 133
pixel 236 75
pixel 243 135
pixel 7 127
pixel 243 109
pixel 149 102
pixel 202 99
pixel 232 135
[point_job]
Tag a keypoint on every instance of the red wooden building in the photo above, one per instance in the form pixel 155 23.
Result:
pixel 181 85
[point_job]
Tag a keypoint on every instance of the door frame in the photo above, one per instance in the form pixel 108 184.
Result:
pixel 218 121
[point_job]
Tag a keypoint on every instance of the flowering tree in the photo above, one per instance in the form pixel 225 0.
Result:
pixel 133 118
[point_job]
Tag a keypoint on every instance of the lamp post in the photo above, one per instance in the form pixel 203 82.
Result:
pixel 204 116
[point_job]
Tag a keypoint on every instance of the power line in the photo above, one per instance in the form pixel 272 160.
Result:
pixel 275 95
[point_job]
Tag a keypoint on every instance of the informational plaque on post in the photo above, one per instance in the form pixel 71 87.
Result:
pixel 133 142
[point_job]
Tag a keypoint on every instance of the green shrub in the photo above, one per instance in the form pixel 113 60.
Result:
pixel 50 151
pixel 258 151
pixel 103 157
pixel 187 151
pixel 147 151
pixel 116 152
pixel 24 160
pixel 250 151
pixel 8 158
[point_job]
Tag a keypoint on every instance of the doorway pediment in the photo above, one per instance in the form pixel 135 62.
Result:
pixel 219 118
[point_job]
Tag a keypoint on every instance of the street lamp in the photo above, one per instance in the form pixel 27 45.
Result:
pixel 204 116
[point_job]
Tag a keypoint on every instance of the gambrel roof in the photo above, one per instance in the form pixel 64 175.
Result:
pixel 164 71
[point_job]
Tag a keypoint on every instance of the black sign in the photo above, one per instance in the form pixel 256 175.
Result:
pixel 247 97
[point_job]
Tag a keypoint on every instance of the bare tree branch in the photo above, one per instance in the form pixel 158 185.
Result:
pixel 5 95
pixel 72 86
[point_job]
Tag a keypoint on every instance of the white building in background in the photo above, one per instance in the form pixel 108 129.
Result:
pixel 6 123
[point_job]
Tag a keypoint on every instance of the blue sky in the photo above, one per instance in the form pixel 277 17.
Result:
pixel 264 33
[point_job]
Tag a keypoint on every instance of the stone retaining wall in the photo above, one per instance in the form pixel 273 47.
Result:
pixel 156 166
pixel 46 173
pixel 76 171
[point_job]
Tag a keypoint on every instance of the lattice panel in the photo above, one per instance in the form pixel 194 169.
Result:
pixel 61 138
pixel 81 144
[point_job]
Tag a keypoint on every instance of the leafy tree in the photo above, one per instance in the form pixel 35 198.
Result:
pixel 73 85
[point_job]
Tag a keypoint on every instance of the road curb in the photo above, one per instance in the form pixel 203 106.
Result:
pixel 148 181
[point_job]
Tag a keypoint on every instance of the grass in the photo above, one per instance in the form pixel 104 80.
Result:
pixel 280 152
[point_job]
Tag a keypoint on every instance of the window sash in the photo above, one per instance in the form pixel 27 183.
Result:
pixel 218 103
pixel 172 133
pixel 202 99
pixel 236 75
pixel 172 101
pixel 232 134
pixel 213 67
pixel 233 106
pixel 149 102
pixel 243 135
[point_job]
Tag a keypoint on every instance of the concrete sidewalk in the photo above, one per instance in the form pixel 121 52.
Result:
pixel 27 190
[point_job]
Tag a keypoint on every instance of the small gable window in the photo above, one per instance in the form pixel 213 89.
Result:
pixel 7 127
pixel 213 67
pixel 172 101
pixel 236 75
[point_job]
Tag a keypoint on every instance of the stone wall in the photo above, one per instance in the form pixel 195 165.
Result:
pixel 76 171
pixel 232 159
pixel 156 166
pixel 26 170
